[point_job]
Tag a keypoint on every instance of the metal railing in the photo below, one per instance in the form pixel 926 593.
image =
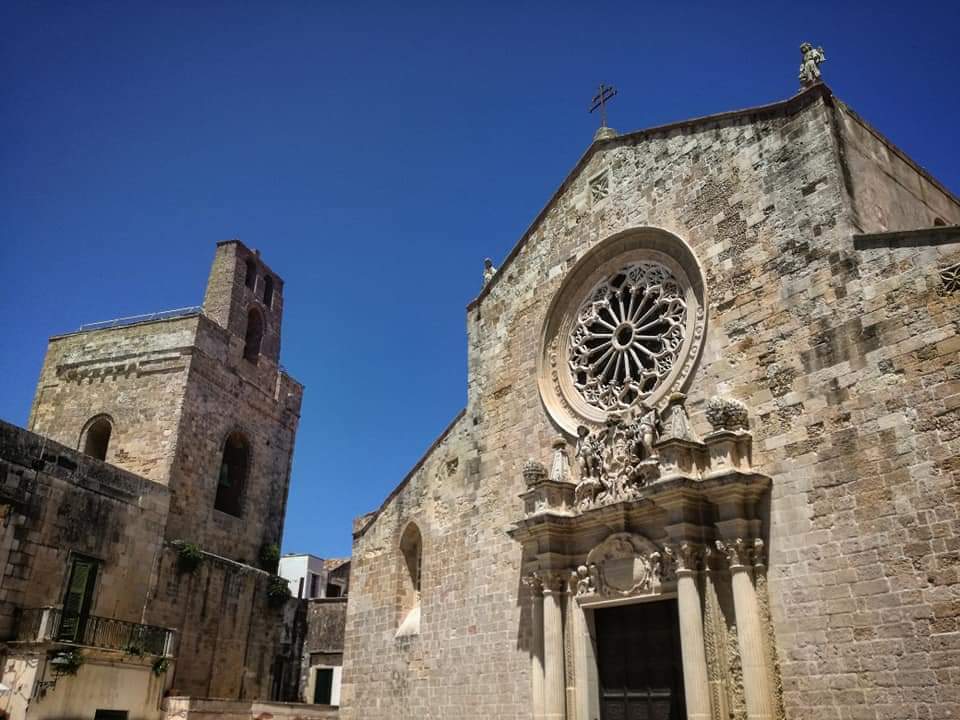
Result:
pixel 134 319
pixel 50 625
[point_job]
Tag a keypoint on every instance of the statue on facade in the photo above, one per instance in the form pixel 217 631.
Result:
pixel 618 459
pixel 589 456
pixel 647 431
pixel 585 584
pixel 810 65
pixel 589 453
pixel 488 270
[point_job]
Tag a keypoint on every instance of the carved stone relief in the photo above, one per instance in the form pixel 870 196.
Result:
pixel 623 565
pixel 950 277
pixel 616 461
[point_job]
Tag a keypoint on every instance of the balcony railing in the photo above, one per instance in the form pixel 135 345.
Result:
pixel 134 319
pixel 50 625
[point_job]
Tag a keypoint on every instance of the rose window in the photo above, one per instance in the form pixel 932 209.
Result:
pixel 627 336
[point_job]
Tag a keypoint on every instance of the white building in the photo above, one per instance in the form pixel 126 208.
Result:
pixel 311 577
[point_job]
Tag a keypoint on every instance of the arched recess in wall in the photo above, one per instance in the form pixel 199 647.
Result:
pixel 95 436
pixel 408 590
pixel 234 469
pixel 254 335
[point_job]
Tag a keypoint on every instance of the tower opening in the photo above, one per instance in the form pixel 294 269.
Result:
pixel 97 439
pixel 254 335
pixel 233 474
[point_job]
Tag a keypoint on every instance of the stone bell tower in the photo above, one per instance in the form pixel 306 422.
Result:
pixel 246 298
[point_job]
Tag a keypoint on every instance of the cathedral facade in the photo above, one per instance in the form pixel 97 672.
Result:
pixel 708 462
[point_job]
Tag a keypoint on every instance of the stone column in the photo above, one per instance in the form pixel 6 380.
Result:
pixel 750 636
pixel 554 686
pixel 695 684
pixel 535 586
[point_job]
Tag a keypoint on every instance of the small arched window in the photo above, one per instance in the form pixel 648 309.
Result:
pixel 254 336
pixel 939 222
pixel 268 291
pixel 96 439
pixel 250 279
pixel 411 553
pixel 233 474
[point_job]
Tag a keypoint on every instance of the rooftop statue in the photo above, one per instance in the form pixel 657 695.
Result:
pixel 488 270
pixel 810 65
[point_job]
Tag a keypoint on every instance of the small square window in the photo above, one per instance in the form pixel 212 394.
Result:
pixel 599 187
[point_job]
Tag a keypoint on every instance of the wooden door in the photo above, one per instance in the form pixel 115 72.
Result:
pixel 638 657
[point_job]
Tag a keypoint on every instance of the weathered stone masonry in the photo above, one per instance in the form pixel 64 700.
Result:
pixel 840 341
pixel 174 390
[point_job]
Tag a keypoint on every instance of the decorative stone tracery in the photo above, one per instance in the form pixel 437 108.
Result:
pixel 627 336
pixel 625 328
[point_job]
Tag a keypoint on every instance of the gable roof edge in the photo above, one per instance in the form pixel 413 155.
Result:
pixel 804 97
pixel 372 518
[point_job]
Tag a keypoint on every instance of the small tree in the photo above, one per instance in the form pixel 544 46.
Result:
pixel 189 556
pixel 269 556
pixel 278 591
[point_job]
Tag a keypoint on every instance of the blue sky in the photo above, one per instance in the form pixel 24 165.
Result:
pixel 375 153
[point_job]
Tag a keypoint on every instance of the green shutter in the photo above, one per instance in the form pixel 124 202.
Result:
pixel 76 603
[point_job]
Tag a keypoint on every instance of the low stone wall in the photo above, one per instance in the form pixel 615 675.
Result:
pixel 189 708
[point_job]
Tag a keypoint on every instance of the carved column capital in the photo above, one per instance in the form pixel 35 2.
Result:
pixel 686 555
pixel 534 584
pixel 555 581
pixel 741 553
pixel 759 554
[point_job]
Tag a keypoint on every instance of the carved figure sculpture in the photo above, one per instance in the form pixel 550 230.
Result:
pixel 647 430
pixel 589 453
pixel 810 65
pixel 585 584
pixel 618 459
pixel 488 270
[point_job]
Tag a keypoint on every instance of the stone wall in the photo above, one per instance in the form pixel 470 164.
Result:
pixel 323 643
pixel 55 502
pixel 888 191
pixel 135 374
pixel 225 393
pixel 847 361
pixel 192 708
pixel 174 390
pixel 233 642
